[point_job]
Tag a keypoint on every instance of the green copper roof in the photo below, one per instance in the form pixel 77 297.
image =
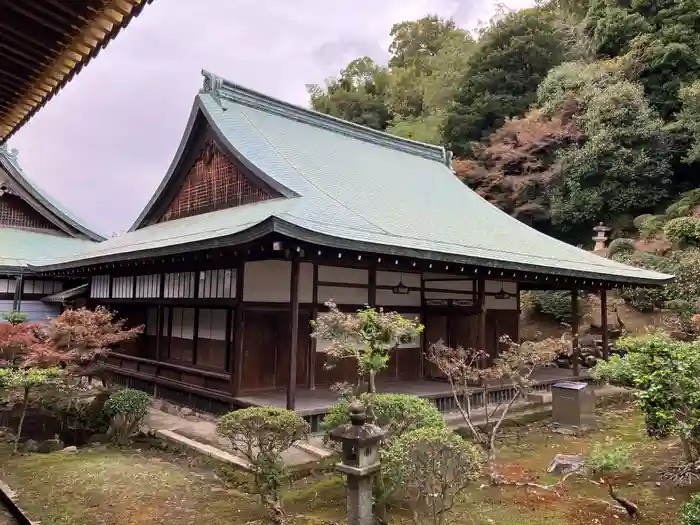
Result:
pixel 347 186
pixel 17 247
pixel 40 200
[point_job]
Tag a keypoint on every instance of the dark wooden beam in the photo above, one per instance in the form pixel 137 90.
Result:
pixel 294 343
pixel 312 342
pixel 604 321
pixel 372 287
pixel 575 350
pixel 423 336
pixel 159 330
pixel 481 303
pixel 238 320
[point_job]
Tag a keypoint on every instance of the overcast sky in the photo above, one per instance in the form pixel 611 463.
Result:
pixel 103 144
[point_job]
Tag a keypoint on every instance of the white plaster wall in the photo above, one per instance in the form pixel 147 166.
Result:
pixel 41 287
pixel 338 274
pixel 306 283
pixel 267 281
pixel 412 280
pixel 387 298
pixel 37 311
pixel 341 295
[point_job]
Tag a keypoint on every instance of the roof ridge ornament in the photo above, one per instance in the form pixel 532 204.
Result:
pixel 212 85
pixel 9 154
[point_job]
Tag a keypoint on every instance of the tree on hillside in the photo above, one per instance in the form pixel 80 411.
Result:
pixel 427 59
pixel 358 95
pixel 514 55
pixel 516 168
pixel 624 164
pixel 658 39
pixel 689 118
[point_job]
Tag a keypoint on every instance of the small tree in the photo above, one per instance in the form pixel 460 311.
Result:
pixel 79 339
pixel 666 374
pixel 367 337
pixel 260 435
pixel 430 467
pixel 26 382
pixel 514 366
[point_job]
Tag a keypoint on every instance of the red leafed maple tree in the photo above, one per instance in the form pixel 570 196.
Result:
pixel 17 341
pixel 78 339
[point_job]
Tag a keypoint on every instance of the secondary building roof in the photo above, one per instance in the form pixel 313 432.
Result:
pixel 32 224
pixel 45 43
pixel 346 186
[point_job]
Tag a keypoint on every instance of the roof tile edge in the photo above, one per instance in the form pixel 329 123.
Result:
pixel 220 88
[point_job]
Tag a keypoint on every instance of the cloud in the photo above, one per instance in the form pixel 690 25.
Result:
pixel 104 143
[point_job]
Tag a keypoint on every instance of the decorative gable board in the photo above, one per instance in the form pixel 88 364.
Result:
pixel 16 213
pixel 213 183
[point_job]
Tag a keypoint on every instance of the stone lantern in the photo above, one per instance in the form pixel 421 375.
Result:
pixel 601 236
pixel 360 459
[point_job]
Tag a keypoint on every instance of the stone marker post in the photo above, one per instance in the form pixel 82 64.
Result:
pixel 360 460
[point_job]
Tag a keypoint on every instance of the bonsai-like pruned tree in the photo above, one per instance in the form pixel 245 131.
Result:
pixel 367 337
pixel 261 435
pixel 514 366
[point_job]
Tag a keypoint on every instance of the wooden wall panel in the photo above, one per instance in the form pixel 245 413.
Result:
pixel 259 350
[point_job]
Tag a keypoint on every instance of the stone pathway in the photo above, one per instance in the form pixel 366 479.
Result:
pixel 200 435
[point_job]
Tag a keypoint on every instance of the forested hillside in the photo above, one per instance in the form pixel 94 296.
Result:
pixel 563 115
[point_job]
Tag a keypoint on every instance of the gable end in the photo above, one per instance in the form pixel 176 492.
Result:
pixel 16 213
pixel 213 183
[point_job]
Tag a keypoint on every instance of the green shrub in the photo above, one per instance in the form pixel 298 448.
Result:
pixel 684 205
pixel 126 410
pixel 427 468
pixel 13 317
pixel 650 225
pixel 395 413
pixel 608 458
pixel 682 231
pixel 556 304
pixel 261 435
pixel 621 244
pixel 690 511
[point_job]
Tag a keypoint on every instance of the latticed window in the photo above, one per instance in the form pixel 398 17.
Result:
pixel 16 213
pixel 213 183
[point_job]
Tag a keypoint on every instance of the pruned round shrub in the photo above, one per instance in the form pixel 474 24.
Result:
pixel 682 231
pixel 684 205
pixel 690 511
pixel 394 413
pixel 649 225
pixel 126 409
pixel 261 434
pixel 428 467
pixel 621 244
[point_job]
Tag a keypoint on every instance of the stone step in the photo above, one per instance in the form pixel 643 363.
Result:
pixel 318 451
pixel 204 449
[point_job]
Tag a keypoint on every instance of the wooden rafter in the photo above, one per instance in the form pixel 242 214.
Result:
pixel 44 44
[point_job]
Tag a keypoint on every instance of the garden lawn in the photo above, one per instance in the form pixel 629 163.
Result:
pixel 109 487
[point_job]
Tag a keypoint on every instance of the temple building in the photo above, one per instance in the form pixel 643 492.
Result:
pixel 32 226
pixel 269 210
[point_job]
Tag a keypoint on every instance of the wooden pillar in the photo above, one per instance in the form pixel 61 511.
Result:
pixel 481 302
pixel 604 321
pixel 17 297
pixel 312 340
pixel 236 364
pixel 372 288
pixel 423 336
pixel 294 343
pixel 575 351
pixel 159 330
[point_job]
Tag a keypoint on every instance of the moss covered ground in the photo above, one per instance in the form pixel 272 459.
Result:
pixel 152 486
